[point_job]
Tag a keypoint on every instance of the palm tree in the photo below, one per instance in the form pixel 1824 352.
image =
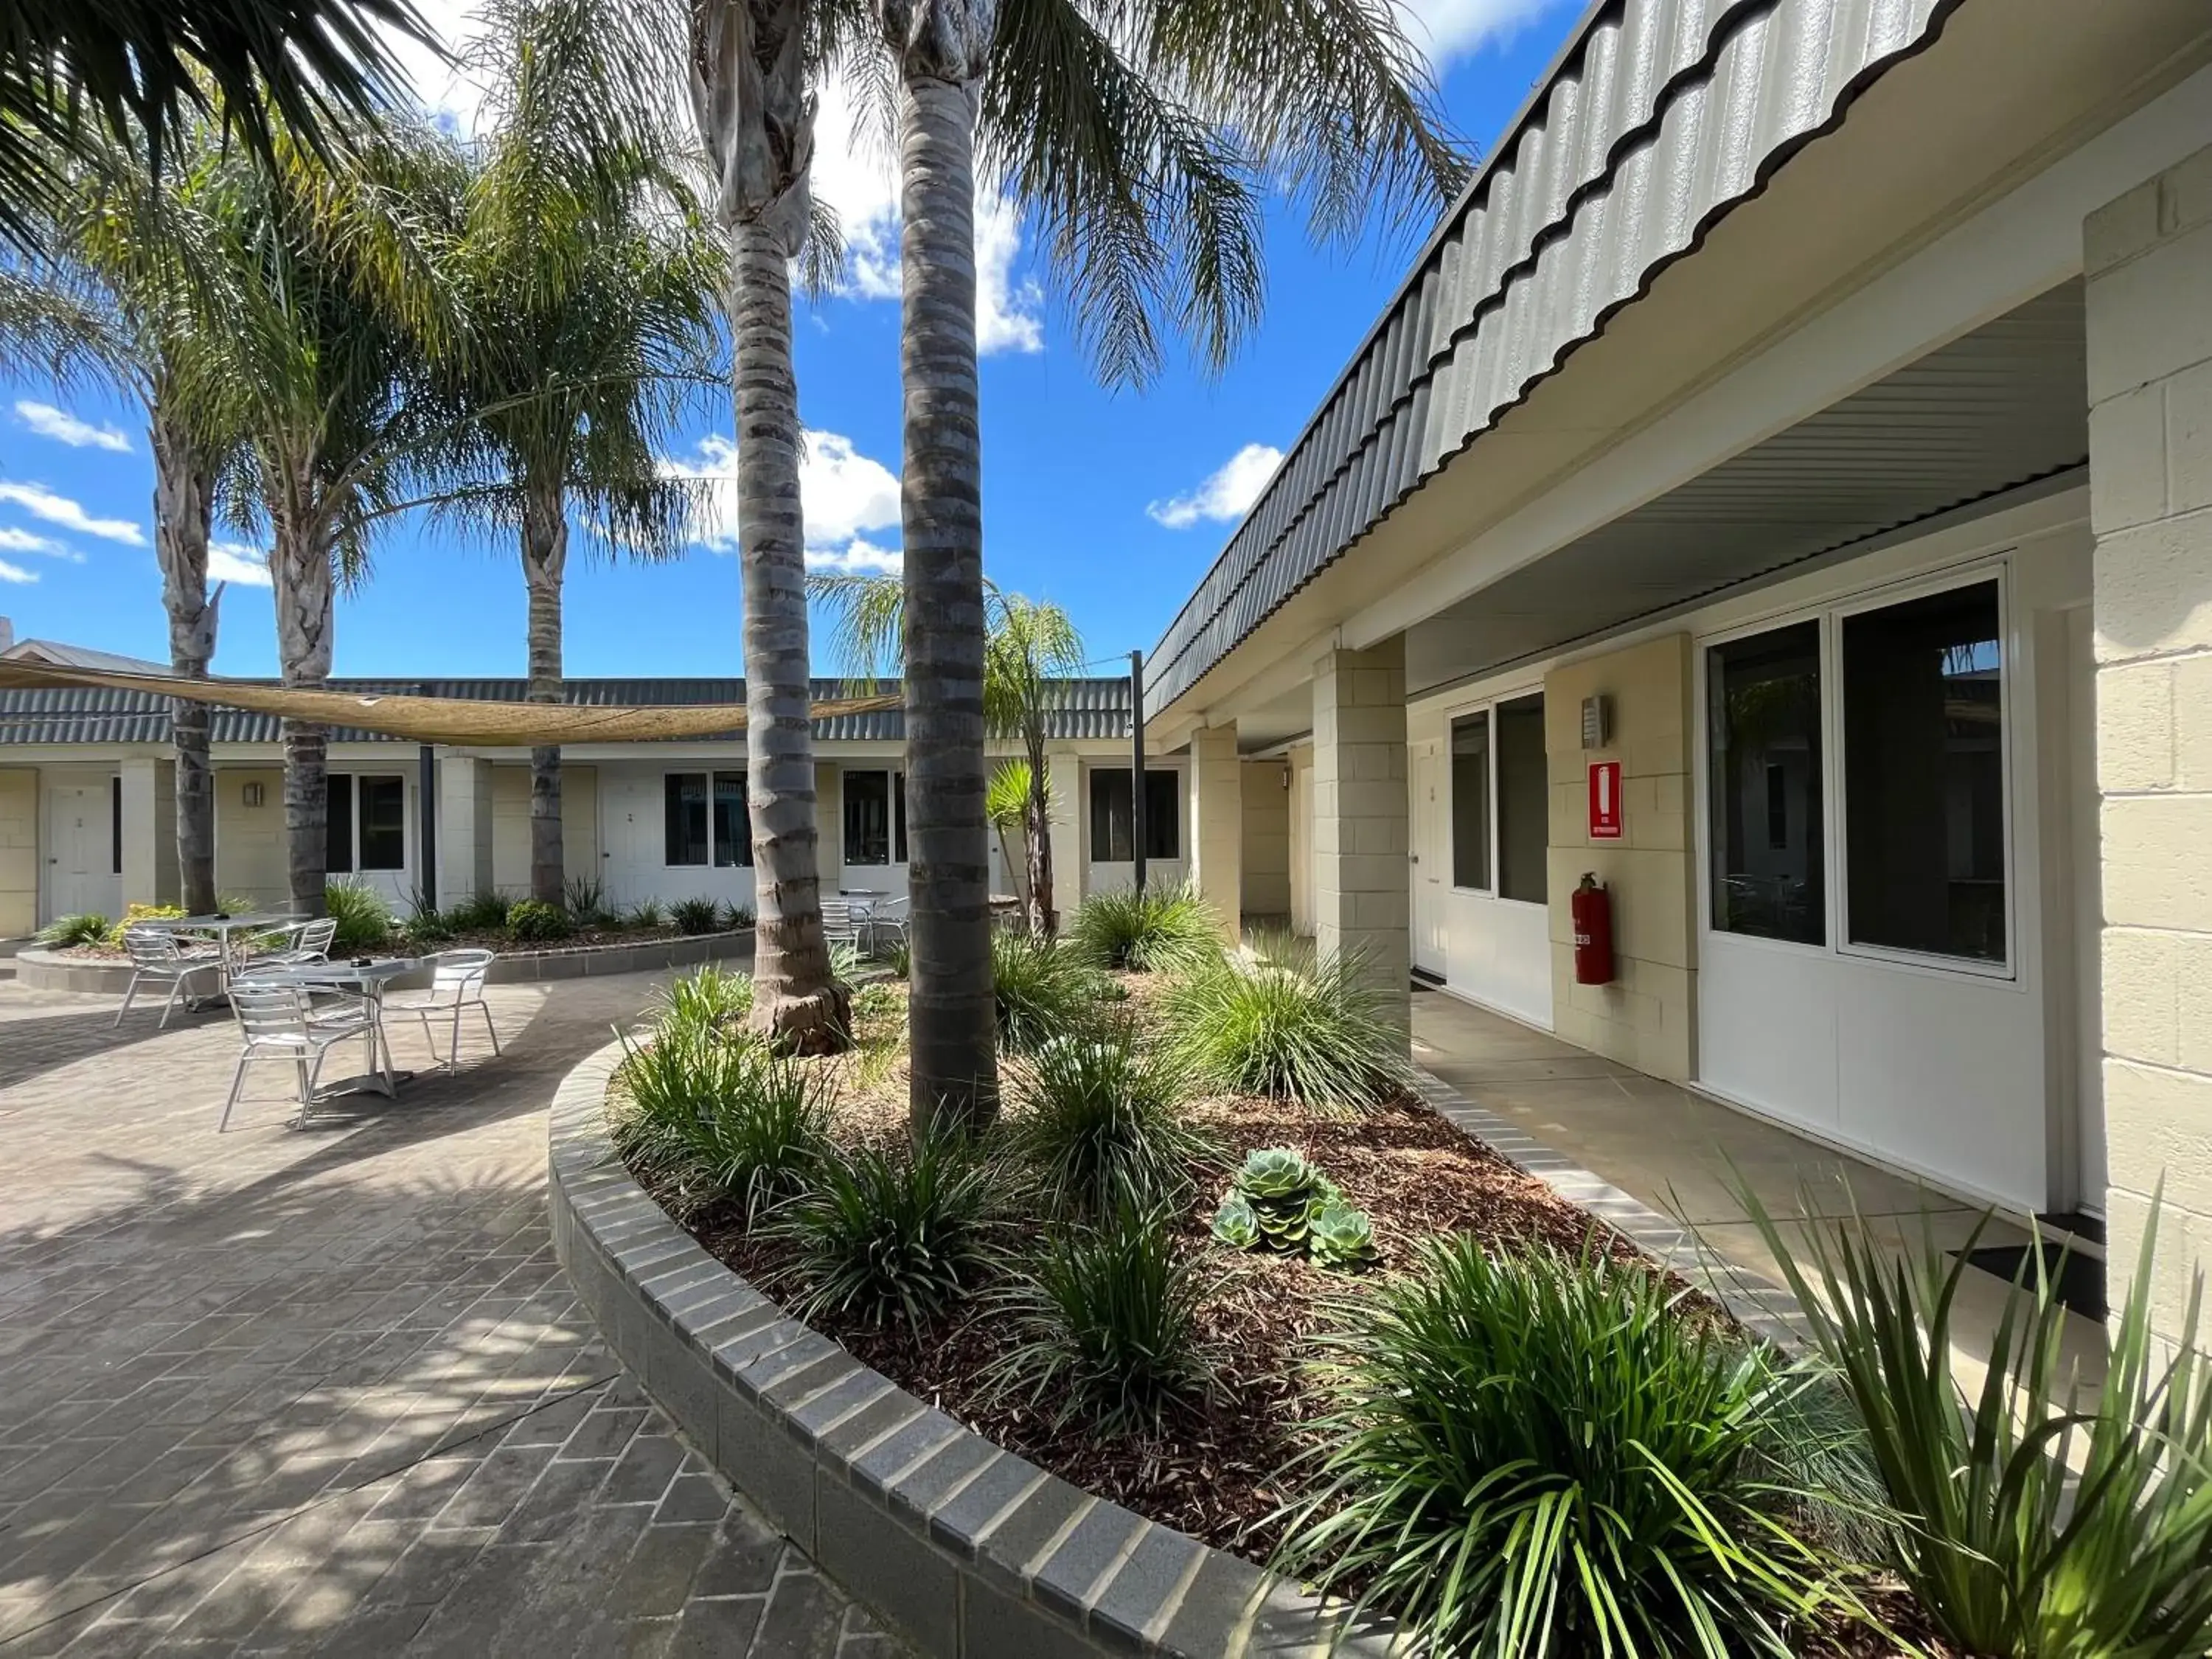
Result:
pixel 314 362
pixel 108 296
pixel 151 75
pixel 592 280
pixel 1031 650
pixel 1139 137
pixel 753 64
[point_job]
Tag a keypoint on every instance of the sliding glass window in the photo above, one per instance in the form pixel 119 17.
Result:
pixel 1524 800
pixel 1923 774
pixel 1763 716
pixel 1470 801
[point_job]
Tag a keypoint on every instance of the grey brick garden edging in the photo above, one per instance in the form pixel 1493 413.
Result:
pixel 45 971
pixel 968 1551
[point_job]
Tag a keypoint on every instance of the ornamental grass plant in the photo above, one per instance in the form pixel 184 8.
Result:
pixel 1157 930
pixel 715 1118
pixel 363 915
pixel 1288 1025
pixel 1044 991
pixel 1098 1121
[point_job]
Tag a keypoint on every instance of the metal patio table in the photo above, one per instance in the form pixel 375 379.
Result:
pixel 368 979
pixel 224 929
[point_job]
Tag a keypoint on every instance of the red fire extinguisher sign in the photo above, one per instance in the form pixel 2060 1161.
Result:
pixel 1605 801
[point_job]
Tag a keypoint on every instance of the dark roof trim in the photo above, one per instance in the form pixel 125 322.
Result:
pixel 1749 83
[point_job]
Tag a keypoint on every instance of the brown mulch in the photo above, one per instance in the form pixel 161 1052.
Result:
pixel 1220 1471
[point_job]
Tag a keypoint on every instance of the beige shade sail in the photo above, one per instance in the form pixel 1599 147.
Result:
pixel 436 720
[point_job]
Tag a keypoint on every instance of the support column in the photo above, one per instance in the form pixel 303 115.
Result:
pixel 1063 776
pixel 465 828
pixel 149 832
pixel 2146 257
pixel 1363 901
pixel 1216 833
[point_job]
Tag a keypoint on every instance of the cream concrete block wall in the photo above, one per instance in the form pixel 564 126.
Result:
pixel 1266 852
pixel 1064 808
pixel 465 828
pixel 19 852
pixel 510 824
pixel 249 841
pixel 1216 813
pixel 1363 895
pixel 1647 1017
pixel 2149 259
pixel 150 872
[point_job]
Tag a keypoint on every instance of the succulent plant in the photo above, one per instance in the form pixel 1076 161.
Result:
pixel 1282 1191
pixel 1276 1172
pixel 1234 1224
pixel 1338 1236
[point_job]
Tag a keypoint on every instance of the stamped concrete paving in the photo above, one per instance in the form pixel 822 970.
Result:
pixel 325 1390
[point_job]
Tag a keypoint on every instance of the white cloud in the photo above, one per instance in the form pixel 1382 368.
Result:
pixel 856 558
pixel 842 493
pixel 16 573
pixel 1224 496
pixel 41 502
pixel 65 428
pixel 239 562
pixel 13 540
pixel 1453 28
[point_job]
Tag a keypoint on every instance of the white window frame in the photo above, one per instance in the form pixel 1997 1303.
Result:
pixel 407 808
pixel 893 779
pixel 1829 613
pixel 1486 706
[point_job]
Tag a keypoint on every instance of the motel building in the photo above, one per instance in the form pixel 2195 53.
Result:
pixel 1781 491
pixel 88 801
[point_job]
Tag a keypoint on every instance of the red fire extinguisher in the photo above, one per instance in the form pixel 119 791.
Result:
pixel 1592 909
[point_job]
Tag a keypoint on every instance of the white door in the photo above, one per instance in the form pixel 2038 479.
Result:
pixel 81 849
pixel 631 807
pixel 1431 938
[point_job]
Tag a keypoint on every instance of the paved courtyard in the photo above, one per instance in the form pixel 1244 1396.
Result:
pixel 327 1391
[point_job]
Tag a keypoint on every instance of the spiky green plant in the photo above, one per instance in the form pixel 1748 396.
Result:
pixel 710 998
pixel 647 913
pixel 1108 1314
pixel 87 927
pixel 716 1119
pixel 1532 1454
pixel 363 915
pixel 481 913
pixel 885 1235
pixel 695 916
pixel 2040 1517
pixel 1043 991
pixel 1159 930
pixel 1099 1123
pixel 1289 1027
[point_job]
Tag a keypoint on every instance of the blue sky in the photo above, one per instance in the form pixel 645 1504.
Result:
pixel 1111 504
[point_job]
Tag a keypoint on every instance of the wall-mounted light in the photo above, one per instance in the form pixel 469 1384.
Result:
pixel 250 795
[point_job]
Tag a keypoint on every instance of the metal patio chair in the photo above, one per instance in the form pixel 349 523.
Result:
pixel 156 955
pixel 282 1022
pixel 301 942
pixel 887 920
pixel 839 926
pixel 457 982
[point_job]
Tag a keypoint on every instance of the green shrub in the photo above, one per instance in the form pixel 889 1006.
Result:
pixel 737 917
pixel 135 913
pixel 898 957
pixel 1287 1027
pixel 709 998
pixel 1100 1123
pixel 535 922
pixel 2034 1520
pixel 646 913
pixel 584 899
pixel 695 916
pixel 426 927
pixel 885 1236
pixel 481 913
pixel 1148 932
pixel 363 916
pixel 1108 1316
pixel 1044 990
pixel 715 1119
pixel 1534 1454
pixel 89 928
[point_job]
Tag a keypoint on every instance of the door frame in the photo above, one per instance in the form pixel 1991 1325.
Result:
pixel 52 779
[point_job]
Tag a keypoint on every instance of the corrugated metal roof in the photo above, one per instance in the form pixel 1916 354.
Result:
pixel 1092 709
pixel 1660 117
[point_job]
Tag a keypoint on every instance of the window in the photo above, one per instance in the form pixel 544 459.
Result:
pixel 383 816
pixel 1923 774
pixel 1764 719
pixel 1470 801
pixel 733 832
pixel 875 817
pixel 1524 800
pixel 366 823
pixel 686 814
pixel 1111 810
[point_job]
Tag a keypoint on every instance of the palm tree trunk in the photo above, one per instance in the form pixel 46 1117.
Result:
pixel 796 1000
pixel 184 500
pixel 545 558
pixel 300 569
pixel 1044 921
pixel 952 1017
